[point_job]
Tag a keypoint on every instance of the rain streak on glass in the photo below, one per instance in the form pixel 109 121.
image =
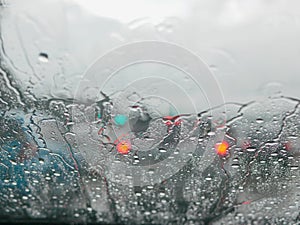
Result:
pixel 66 160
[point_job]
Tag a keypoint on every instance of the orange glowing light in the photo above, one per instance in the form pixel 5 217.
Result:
pixel 123 147
pixel 221 148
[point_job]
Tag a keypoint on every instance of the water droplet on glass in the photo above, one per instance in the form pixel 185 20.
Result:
pixel 259 120
pixel 251 149
pixel 43 57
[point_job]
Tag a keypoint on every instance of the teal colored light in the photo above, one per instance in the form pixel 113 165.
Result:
pixel 99 115
pixel 120 119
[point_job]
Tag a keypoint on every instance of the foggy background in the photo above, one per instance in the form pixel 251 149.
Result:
pixel 252 47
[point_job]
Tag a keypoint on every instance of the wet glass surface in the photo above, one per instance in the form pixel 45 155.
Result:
pixel 115 114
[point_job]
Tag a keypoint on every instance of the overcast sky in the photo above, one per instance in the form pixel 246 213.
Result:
pixel 252 47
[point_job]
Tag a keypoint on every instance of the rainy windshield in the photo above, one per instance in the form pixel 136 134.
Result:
pixel 168 112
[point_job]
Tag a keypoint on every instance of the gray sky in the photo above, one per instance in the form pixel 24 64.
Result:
pixel 252 47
